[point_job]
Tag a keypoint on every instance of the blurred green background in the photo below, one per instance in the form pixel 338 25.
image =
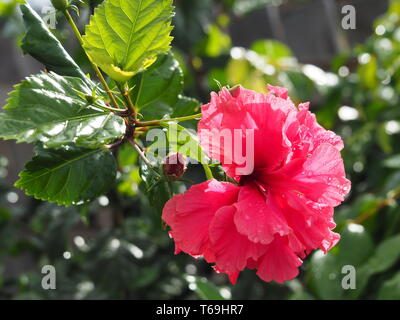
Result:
pixel 116 247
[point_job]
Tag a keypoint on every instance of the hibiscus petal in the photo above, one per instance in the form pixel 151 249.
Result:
pixel 310 222
pixel 189 215
pixel 169 211
pixel 236 113
pixel 232 249
pixel 257 217
pixel 323 179
pixel 279 262
pixel 319 134
pixel 278 91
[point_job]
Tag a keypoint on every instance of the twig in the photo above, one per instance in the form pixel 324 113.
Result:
pixel 389 200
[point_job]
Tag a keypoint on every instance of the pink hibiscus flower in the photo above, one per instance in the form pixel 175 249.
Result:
pixel 279 210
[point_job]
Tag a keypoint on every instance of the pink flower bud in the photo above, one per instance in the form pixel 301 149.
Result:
pixel 174 166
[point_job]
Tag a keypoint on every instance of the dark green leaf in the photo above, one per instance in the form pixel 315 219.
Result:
pixel 390 289
pixel 355 245
pixel 385 256
pixel 41 44
pixel 68 176
pixel 157 188
pixel 157 89
pixel 185 107
pixel 325 274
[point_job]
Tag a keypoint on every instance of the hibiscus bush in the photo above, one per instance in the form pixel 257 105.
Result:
pixel 152 135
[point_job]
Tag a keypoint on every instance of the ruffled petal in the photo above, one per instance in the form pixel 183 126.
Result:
pixel 232 249
pixel 323 179
pixel 279 262
pixel 235 117
pixel 189 215
pixel 311 223
pixel 258 217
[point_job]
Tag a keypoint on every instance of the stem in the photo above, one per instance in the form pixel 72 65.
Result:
pixel 109 108
pixel 127 97
pixel 95 67
pixel 141 153
pixel 207 171
pixel 158 122
pixel 391 197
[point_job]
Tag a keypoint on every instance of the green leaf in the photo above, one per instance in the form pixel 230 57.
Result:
pixel 158 189
pixel 385 256
pixel 355 245
pixel 183 141
pixel 207 290
pixel 271 49
pixel 125 37
pixel 392 162
pixel 185 107
pixel 41 44
pixel 157 89
pixel 49 108
pixel 390 289
pixel 69 175
pixel 216 43
pixel 325 276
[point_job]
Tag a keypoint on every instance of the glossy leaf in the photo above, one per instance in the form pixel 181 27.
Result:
pixel 41 44
pixel 185 106
pixel 69 175
pixel 125 37
pixel 51 109
pixel 156 90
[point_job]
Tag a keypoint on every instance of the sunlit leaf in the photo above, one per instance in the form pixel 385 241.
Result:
pixel 51 109
pixel 125 37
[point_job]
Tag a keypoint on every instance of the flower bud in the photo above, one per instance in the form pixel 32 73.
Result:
pixel 174 166
pixel 60 4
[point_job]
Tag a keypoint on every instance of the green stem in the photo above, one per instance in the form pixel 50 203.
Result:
pixel 158 122
pixel 125 93
pixel 207 171
pixel 105 108
pixel 95 67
